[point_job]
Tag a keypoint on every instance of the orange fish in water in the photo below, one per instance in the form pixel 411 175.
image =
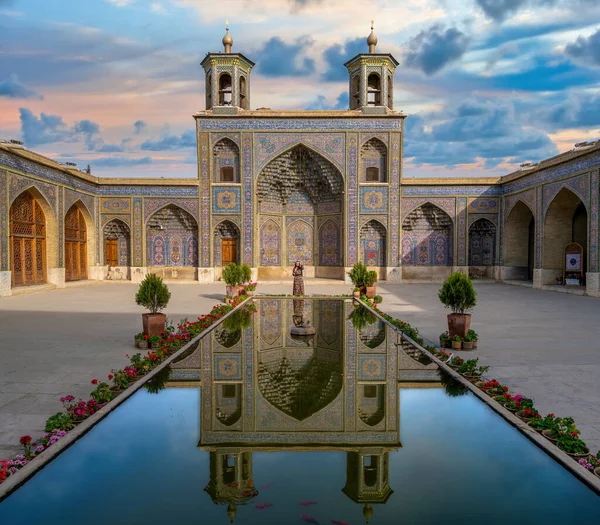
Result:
pixel 308 502
pixel 309 519
pixel 262 506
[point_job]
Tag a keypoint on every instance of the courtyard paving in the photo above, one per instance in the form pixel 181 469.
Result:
pixel 541 343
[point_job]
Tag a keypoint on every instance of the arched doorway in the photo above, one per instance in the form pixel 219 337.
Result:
pixel 172 238
pixel 75 245
pixel 372 244
pixel 117 244
pixel 27 241
pixel 565 221
pixel 519 243
pixel 227 243
pixel 300 204
pixel 482 247
pixel 427 237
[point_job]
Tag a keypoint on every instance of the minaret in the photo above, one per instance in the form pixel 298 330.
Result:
pixel 227 76
pixel 372 77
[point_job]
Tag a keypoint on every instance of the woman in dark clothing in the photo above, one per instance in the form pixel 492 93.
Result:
pixel 298 279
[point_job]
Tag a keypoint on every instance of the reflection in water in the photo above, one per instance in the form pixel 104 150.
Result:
pixel 269 390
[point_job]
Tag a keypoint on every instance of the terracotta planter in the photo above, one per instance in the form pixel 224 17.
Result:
pixel 577 457
pixel 467 345
pixel 548 435
pixel 521 415
pixel 459 324
pixel 154 324
pixel 142 344
pixel 233 291
pixel 456 345
pixel 249 293
pixel 371 291
pixel 597 472
pixel 536 429
pixel 356 294
pixel 443 343
pixel 474 345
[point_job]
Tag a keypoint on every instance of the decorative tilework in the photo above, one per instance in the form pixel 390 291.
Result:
pixel 373 199
pixel 371 367
pixel 352 200
pixel 394 202
pixel 420 191
pixel 107 217
pixel 137 232
pixel 270 321
pixel 61 227
pixel 228 367
pixel 216 137
pixel 151 206
pixel 482 243
pixel 350 379
pixel 19 184
pixel 204 155
pixel 271 207
pixel 248 338
pixel 557 172
pixel 448 205
pixel 372 244
pixel 383 137
pixel 363 219
pixel 539 227
pixel 300 208
pixel 484 205
pixel 248 199
pixel 578 185
pixel 229 229
pixel 329 207
pixel 594 226
pixel 329 244
pixel 329 124
pixel 462 231
pixel 3 222
pixel 492 217
pixel 99 258
pixel 115 205
pixel 528 197
pixel 427 248
pixel 88 201
pixel 271 145
pixel 226 200
pixel 270 244
pixel 300 243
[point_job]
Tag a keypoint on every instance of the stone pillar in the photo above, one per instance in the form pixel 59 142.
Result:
pixel 5 282
pixel 97 272
pixel 5 274
pixel 206 275
pixel 394 274
pixel 138 273
pixel 461 269
pixel 538 277
pixel 592 284
pixel 56 276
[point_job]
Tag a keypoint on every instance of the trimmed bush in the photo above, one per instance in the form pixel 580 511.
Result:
pixel 236 275
pixel 153 294
pixel 458 293
pixel 359 275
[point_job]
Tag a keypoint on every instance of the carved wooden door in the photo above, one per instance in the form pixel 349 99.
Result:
pixel 112 252
pixel 228 251
pixel 75 246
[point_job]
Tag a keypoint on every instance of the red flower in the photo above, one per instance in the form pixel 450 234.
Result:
pixel 505 388
pixel 94 381
pixel 110 376
pixel 25 440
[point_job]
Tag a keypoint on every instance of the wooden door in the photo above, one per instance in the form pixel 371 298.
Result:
pixel 228 251
pixel 27 241
pixel 112 252
pixel 75 245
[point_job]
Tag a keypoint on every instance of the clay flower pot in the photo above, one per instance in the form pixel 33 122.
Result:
pixel 456 345
pixel 467 345
pixel 548 435
pixel 459 324
pixel 371 291
pixel 154 324
pixel 577 457
pixel 597 472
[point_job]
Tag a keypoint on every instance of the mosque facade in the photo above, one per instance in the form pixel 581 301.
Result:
pixel 322 187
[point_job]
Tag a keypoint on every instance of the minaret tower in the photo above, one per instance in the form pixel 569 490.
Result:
pixel 227 77
pixel 372 77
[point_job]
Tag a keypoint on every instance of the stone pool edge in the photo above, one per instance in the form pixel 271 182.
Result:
pixel 588 478
pixel 15 481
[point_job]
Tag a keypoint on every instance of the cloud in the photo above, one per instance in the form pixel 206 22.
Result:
pixel 498 10
pixel 434 48
pixel 337 55
pixel 139 126
pixel 157 8
pixel 120 3
pixel 278 59
pixel 112 162
pixel 12 88
pixel 477 130
pixel 43 130
pixel 587 49
pixel 170 142
pixel 341 102
pixel 579 110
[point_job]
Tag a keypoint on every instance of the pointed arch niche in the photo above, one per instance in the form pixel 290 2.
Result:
pixel 80 242
pixel 373 249
pixel 117 249
pixel 482 248
pixel 519 243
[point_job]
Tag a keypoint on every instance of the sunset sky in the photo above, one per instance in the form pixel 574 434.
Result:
pixel 487 84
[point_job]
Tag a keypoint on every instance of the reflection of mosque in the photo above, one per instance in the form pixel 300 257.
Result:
pixel 266 390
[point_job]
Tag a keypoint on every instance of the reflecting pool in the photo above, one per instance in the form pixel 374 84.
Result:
pixel 259 426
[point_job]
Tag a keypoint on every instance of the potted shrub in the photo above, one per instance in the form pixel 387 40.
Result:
pixel 572 445
pixel 456 342
pixel 467 342
pixel 456 362
pixel 458 294
pixel 445 340
pixel 356 292
pixel 361 317
pixel 153 295
pixel 370 280
pixel 359 275
pixel 377 299
pixel 473 337
pixel 141 341
pixel 249 289
pixel 543 423
pixel 59 421
pixel 235 276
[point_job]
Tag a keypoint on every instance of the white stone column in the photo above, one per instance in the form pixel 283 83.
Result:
pixel 56 276
pixel 537 277
pixel 138 273
pixel 592 284
pixel 394 274
pixel 5 284
pixel 206 275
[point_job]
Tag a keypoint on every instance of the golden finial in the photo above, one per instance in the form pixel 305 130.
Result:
pixel 372 40
pixel 227 40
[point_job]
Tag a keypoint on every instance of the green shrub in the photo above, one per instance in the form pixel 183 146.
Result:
pixel 236 275
pixel 153 294
pixel 246 273
pixel 377 299
pixel 59 421
pixel 371 278
pixel 361 317
pixel 359 275
pixel 238 320
pixel 458 293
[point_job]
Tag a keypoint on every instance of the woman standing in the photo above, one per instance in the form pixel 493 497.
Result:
pixel 298 279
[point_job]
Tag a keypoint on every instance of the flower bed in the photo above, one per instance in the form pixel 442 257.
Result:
pixel 561 431
pixel 77 411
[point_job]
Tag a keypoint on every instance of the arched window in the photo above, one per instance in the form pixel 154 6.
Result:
pixel 208 91
pixel 355 93
pixel 243 96
pixel 225 90
pixel 372 174
pixel 226 174
pixel 374 90
pixel 226 161
pixel 390 92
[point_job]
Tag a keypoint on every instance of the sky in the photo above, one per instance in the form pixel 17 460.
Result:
pixel 486 84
